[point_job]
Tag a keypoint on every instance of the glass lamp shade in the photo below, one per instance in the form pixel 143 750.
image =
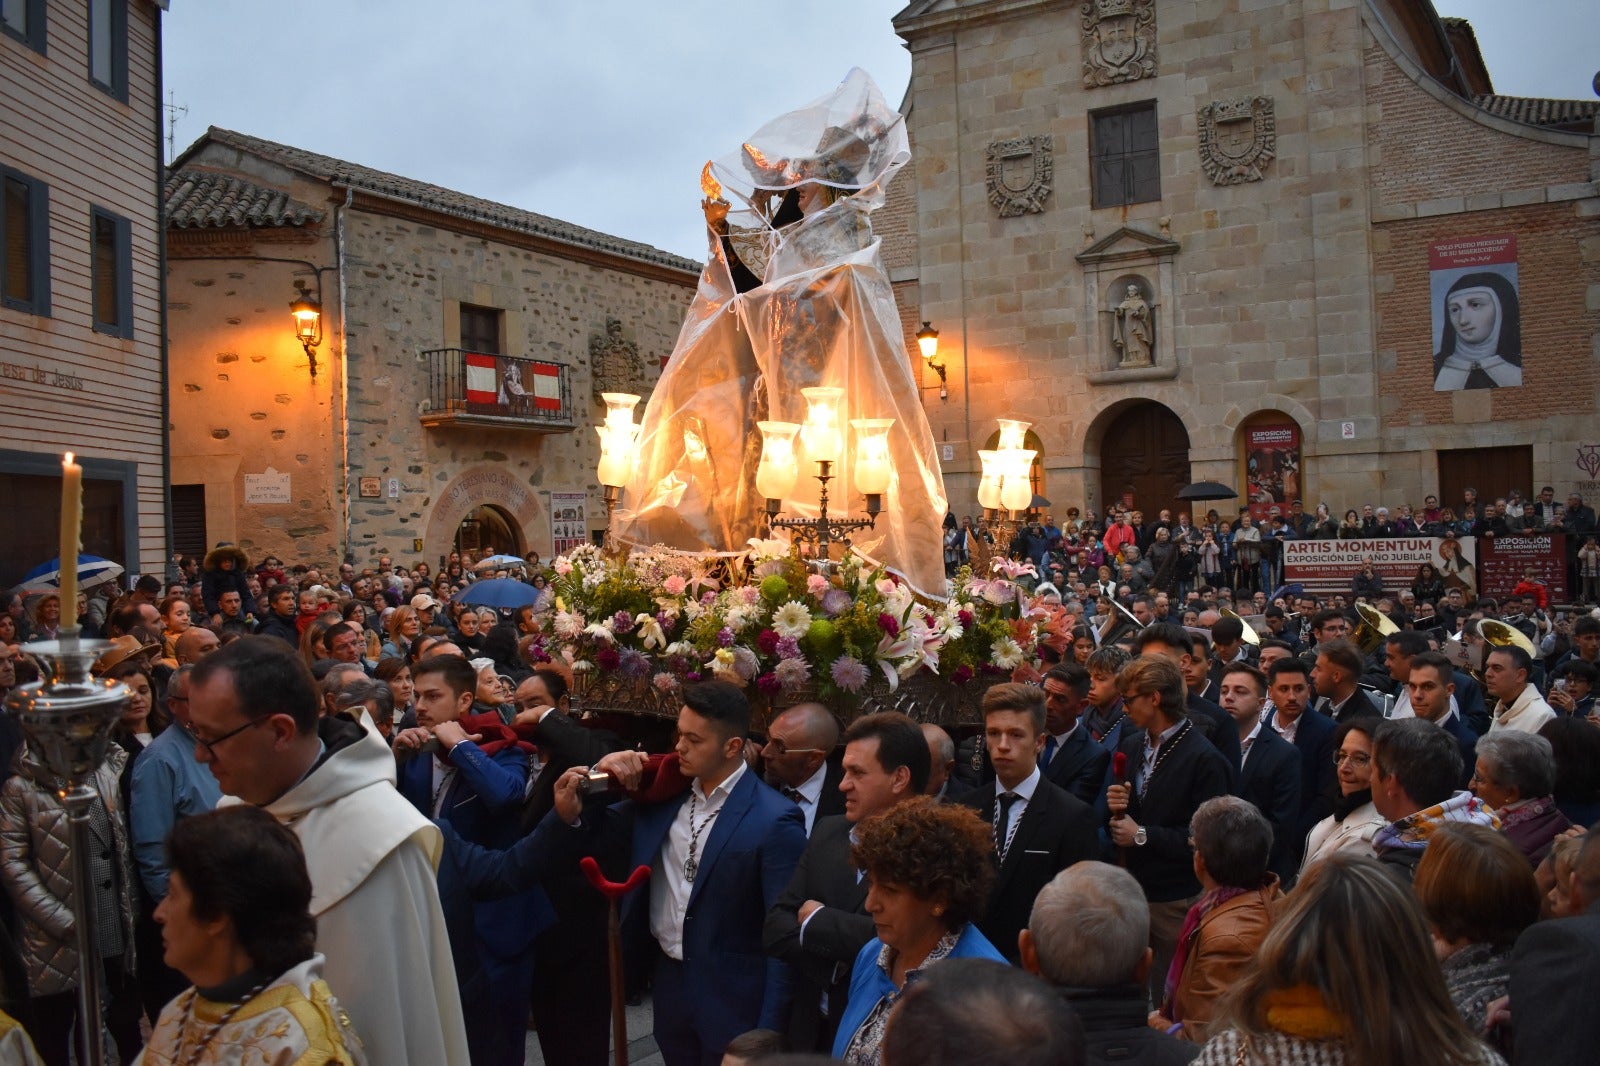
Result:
pixel 1012 434
pixel 989 483
pixel 821 434
pixel 872 455
pixel 775 475
pixel 617 438
pixel 1017 492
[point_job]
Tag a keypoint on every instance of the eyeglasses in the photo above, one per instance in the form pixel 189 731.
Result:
pixel 777 747
pixel 211 745
pixel 1359 760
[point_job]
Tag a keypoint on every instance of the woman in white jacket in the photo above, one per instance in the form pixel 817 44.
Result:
pixel 1354 821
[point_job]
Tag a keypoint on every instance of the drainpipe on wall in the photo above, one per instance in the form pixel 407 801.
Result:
pixel 344 380
pixel 161 289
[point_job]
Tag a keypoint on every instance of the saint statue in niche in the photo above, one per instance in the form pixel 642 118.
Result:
pixel 1134 335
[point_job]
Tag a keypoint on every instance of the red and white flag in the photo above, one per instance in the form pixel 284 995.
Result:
pixel 546 386
pixel 483 378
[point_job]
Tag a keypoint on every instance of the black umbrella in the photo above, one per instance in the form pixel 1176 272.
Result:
pixel 1207 490
pixel 1038 503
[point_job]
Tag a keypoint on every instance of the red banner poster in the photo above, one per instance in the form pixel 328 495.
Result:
pixel 1272 468
pixel 1503 562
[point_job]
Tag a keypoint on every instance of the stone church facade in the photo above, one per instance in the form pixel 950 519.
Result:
pixel 451 391
pixel 1216 241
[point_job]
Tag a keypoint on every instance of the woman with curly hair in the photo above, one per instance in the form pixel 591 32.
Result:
pixel 1347 976
pixel 930 872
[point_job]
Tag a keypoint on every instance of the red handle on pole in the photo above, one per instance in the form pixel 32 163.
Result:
pixel 611 890
pixel 1119 768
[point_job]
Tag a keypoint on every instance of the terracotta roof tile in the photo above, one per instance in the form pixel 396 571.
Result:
pixel 201 199
pixel 447 201
pixel 1538 111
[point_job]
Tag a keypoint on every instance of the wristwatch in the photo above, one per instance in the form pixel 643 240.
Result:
pixel 1139 837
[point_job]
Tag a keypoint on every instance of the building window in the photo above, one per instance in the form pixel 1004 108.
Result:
pixel 111 261
pixel 25 244
pixel 1125 153
pixel 108 46
pixel 480 329
pixel 24 20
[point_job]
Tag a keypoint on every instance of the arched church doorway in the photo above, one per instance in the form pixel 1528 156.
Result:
pixel 487 530
pixel 1144 455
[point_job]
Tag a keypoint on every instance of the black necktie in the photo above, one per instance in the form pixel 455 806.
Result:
pixel 1002 818
pixel 793 794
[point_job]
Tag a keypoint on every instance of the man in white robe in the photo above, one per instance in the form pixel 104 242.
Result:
pixel 371 855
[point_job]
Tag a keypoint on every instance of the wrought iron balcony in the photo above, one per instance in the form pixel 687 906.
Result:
pixel 468 388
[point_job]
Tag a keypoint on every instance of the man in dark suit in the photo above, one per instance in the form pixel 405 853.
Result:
pixel 1039 828
pixel 820 924
pixel 1170 772
pixel 1071 758
pixel 1270 777
pixel 720 855
pixel 1429 689
pixel 1337 676
pixel 1554 971
pixel 1173 642
pixel 1289 687
pixel 571 993
pixel 796 757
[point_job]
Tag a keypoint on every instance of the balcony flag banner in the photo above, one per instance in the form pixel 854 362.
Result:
pixel 546 386
pixel 483 378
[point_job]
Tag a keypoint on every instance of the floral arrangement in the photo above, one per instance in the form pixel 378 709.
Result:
pixel 767 618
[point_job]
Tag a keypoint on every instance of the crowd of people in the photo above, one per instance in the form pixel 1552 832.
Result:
pixel 343 814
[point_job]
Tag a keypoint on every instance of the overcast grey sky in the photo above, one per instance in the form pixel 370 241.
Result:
pixel 601 112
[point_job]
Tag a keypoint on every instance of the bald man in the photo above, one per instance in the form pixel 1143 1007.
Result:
pixel 194 644
pixel 796 760
pixel 942 759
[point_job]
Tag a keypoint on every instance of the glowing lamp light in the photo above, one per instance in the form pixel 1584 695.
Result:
pixel 821 434
pixel 779 466
pixel 872 455
pixel 1017 492
pixel 928 341
pixel 307 313
pixel 1012 434
pixel 618 437
pixel 989 483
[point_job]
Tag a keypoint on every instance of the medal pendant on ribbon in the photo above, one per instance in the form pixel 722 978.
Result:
pixel 690 868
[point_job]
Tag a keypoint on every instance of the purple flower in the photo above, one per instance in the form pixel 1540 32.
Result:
pixel 768 683
pixel 725 637
pixel 664 620
pixel 634 664
pixel 788 648
pixel 961 674
pixel 692 676
pixel 887 623
pixel 745 663
pixel 622 622
pixel 836 602
pixel 849 673
pixel 607 658
pixel 791 672
pixel 708 598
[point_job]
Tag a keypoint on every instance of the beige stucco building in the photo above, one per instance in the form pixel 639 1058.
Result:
pixel 81 366
pixel 1176 235
pixel 450 396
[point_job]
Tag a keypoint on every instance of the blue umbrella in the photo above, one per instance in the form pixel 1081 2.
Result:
pixel 501 592
pixel 46 577
pixel 501 562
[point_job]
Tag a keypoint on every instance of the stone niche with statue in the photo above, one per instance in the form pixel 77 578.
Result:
pixel 1128 282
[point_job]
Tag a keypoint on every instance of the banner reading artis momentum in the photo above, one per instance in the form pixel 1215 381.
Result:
pixel 1327 566
pixel 1504 561
pixel 1477 316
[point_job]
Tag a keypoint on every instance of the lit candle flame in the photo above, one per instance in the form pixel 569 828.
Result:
pixel 67 459
pixel 708 184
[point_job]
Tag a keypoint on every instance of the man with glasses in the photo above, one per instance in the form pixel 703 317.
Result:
pixel 168 784
pixel 799 742
pixel 253 714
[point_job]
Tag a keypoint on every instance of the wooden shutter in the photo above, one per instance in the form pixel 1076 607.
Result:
pixel 189 520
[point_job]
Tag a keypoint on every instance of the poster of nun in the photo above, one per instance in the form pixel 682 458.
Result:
pixel 1477 314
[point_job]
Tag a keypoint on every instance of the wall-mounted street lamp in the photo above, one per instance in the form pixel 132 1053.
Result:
pixel 928 342
pixel 307 314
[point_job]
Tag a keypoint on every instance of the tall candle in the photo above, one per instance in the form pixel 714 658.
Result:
pixel 71 529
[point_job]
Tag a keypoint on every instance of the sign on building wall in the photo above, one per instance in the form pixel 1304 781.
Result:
pixel 266 488
pixel 568 527
pixel 1477 313
pixel 1326 566
pixel 1272 468
pixel 1503 561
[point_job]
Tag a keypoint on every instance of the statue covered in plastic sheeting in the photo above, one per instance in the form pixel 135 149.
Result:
pixel 794 295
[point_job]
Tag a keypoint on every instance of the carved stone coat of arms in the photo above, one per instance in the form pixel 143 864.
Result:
pixel 1238 138
pixel 1119 41
pixel 1018 173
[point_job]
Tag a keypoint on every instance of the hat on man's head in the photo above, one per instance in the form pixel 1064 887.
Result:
pixel 423 602
pixel 122 649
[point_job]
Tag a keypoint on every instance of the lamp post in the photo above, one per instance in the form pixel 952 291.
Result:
pixel 1005 484
pixel 928 344
pixel 823 441
pixel 307 314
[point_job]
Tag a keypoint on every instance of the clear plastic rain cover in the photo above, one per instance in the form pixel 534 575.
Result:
pixel 794 295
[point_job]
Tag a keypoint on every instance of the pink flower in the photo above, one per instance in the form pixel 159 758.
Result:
pixel 768 683
pixel 562 566
pixel 961 674
pixel 849 673
pixel 836 602
pixel 664 682
pixel 674 585
pixel 887 623
pixel 965 618
pixel 816 584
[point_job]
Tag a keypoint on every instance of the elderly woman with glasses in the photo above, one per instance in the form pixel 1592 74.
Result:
pixel 1354 821
pixel 1515 777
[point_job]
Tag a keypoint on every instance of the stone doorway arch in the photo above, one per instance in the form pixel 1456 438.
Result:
pixel 1144 452
pixel 476 487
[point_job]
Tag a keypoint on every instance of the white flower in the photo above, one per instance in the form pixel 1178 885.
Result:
pixel 739 617
pixel 569 624
pixel 650 634
pixel 793 619
pixel 562 566
pixel 601 631
pixel 693 609
pixel 1007 654
pixel 791 672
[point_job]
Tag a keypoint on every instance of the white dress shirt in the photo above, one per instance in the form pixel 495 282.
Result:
pixel 810 795
pixel 669 888
pixel 1024 793
pixel 1061 741
pixel 1247 743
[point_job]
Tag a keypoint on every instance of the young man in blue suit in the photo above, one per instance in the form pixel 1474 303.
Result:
pixel 720 855
pixel 1289 686
pixel 1270 776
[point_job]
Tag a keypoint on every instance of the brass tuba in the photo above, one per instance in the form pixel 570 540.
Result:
pixel 1500 635
pixel 1374 628
pixel 1250 636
